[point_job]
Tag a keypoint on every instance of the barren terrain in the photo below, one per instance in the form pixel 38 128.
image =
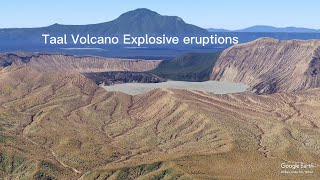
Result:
pixel 58 124
pixel 269 65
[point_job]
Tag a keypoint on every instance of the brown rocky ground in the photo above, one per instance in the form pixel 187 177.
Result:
pixel 57 124
pixel 61 125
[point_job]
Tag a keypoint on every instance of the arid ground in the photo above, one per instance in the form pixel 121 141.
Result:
pixel 55 123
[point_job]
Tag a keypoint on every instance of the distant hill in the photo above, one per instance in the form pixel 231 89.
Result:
pixel 136 22
pixel 269 29
pixel 218 30
pixel 275 29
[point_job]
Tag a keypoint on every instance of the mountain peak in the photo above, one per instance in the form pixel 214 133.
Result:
pixel 145 21
pixel 140 12
pixel 55 24
pixel 143 10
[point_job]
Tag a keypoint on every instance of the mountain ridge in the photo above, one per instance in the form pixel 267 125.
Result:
pixel 52 62
pixel 269 29
pixel 269 65
pixel 135 22
pixel 138 22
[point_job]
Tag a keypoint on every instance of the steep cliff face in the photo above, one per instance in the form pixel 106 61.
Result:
pixel 270 65
pixel 43 61
pixel 188 67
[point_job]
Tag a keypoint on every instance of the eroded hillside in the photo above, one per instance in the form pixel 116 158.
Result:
pixel 47 62
pixel 61 125
pixel 270 65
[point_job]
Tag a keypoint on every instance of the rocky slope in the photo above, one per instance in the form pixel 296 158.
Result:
pixel 57 124
pixel 270 65
pixel 52 62
pixel 188 67
pixel 61 125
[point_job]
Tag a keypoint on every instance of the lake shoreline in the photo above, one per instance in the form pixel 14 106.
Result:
pixel 215 87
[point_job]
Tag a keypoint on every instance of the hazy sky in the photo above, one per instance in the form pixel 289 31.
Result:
pixel 229 14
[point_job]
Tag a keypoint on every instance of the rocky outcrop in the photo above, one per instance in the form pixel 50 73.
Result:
pixel 270 65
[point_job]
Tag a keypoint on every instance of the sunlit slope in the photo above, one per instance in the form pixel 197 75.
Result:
pixel 270 65
pixel 53 62
pixel 85 131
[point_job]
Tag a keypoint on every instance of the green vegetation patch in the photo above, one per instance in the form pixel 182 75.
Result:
pixel 10 163
pixel 188 67
pixel 42 176
pixel 46 165
pixel 160 175
pixel 4 122
pixel 134 172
